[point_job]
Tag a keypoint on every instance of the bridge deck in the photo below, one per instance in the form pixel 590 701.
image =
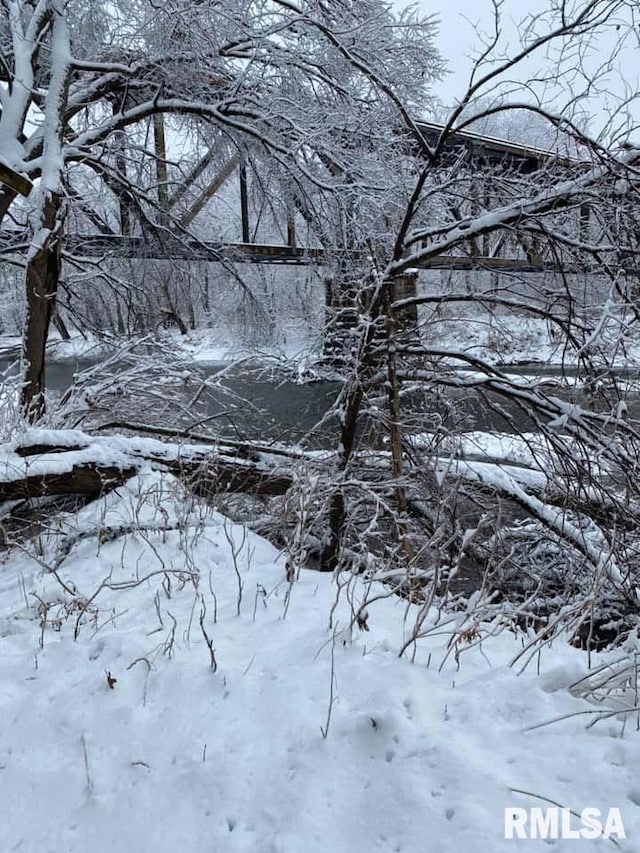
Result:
pixel 256 253
pixel 115 246
pixel 501 151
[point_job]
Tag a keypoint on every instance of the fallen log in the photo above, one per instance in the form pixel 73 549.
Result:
pixel 63 462
pixel 77 480
pixel 243 448
pixel 600 501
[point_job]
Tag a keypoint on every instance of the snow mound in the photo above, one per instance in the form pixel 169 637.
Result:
pixel 123 730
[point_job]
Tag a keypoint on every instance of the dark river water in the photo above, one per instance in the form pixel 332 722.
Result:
pixel 275 408
pixel 282 409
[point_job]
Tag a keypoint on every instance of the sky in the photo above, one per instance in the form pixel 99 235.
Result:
pixel 458 40
pixel 456 37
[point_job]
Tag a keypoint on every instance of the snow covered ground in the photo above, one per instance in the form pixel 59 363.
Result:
pixel 509 339
pixel 495 337
pixel 78 346
pixel 118 735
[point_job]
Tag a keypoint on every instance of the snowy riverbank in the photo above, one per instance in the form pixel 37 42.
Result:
pixel 174 756
pixel 493 337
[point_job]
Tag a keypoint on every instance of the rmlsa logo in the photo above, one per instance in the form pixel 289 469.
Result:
pixel 562 823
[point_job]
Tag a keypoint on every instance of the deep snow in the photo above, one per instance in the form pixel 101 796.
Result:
pixel 419 756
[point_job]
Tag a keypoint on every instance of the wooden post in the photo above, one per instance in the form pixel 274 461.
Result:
pixel 291 232
pixel 244 204
pixel 162 173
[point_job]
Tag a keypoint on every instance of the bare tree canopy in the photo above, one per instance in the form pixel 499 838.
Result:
pixel 123 122
pixel 289 82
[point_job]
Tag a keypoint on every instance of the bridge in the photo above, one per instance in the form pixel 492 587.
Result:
pixel 115 246
pixel 163 242
pixel 171 236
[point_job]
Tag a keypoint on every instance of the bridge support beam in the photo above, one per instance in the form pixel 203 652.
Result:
pixel 342 315
pixel 406 319
pixel 345 304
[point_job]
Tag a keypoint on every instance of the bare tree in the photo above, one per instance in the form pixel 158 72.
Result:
pixel 551 237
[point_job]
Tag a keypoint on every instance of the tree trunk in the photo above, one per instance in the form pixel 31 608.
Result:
pixel 395 429
pixel 52 468
pixel 41 279
pixel 171 311
pixel 162 171
pixel 351 407
pixel 330 558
